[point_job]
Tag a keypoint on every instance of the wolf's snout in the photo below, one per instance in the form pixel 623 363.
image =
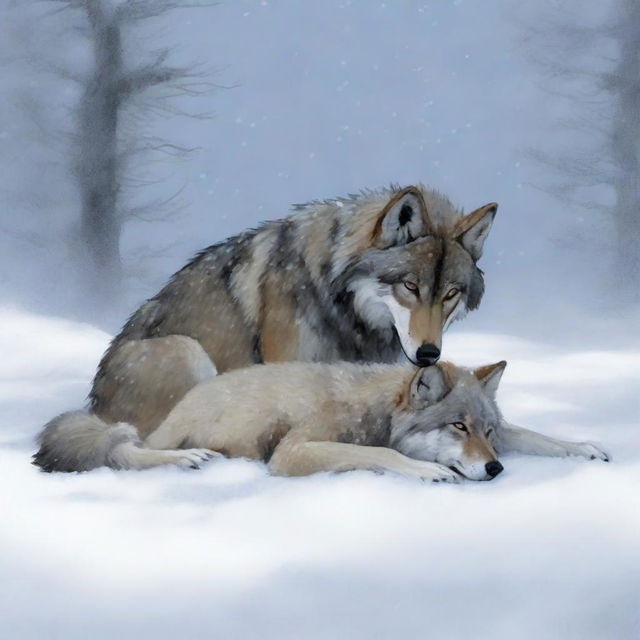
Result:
pixel 427 354
pixel 493 468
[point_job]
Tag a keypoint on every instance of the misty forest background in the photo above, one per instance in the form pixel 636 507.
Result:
pixel 135 132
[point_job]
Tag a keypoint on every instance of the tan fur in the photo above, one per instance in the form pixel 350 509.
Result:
pixel 301 458
pixel 464 224
pixel 279 293
pixel 487 369
pixel 425 325
pixel 324 405
pixel 320 400
pixel 357 233
pixel 247 280
pixel 434 330
pixel 361 232
pixel 279 335
pixel 227 350
pixel 477 447
pixel 300 417
pixel 315 242
pixel 150 360
pixel 450 372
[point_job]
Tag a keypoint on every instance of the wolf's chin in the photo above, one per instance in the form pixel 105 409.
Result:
pixel 406 355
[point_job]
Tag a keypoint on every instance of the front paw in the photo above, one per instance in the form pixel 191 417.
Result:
pixel 193 458
pixel 590 451
pixel 434 472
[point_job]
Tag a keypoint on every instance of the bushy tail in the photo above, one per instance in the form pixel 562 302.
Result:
pixel 79 441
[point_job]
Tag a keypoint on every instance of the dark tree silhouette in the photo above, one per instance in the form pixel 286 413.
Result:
pixel 596 68
pixel 100 157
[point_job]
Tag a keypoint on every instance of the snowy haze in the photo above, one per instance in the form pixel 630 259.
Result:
pixel 329 97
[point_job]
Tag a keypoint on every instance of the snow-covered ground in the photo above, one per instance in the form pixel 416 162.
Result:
pixel 549 550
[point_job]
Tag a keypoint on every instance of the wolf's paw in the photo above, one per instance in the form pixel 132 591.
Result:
pixel 193 458
pixel 590 451
pixel 434 472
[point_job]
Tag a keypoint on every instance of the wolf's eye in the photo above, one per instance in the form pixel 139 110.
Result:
pixel 412 286
pixel 461 426
pixel 452 293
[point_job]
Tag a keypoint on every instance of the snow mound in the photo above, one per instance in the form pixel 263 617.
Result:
pixel 550 549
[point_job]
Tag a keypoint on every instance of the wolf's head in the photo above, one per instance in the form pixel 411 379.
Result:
pixel 449 415
pixel 420 273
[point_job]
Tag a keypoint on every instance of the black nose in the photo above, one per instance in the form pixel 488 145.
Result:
pixel 493 468
pixel 427 355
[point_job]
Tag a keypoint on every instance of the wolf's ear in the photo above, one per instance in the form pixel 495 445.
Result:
pixel 403 219
pixel 472 230
pixel 428 386
pixel 489 376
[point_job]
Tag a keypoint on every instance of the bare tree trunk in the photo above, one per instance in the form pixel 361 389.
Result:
pixel 97 166
pixel 625 141
pixel 99 161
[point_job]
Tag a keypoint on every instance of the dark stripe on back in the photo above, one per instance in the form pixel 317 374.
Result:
pixel 334 232
pixel 256 349
pixel 282 252
pixel 237 252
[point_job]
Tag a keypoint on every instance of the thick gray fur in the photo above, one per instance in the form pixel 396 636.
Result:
pixel 79 441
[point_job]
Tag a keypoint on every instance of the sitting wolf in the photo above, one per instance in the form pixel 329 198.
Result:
pixel 363 278
pixel 437 423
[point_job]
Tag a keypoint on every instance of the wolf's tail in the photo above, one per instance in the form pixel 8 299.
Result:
pixel 79 441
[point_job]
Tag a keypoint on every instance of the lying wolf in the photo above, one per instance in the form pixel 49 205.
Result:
pixel 438 423
pixel 363 278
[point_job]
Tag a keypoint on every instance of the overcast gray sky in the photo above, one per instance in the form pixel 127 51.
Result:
pixel 329 97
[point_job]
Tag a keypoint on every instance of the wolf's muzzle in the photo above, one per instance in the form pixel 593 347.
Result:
pixel 493 468
pixel 427 354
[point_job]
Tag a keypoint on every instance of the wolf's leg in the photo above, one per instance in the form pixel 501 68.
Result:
pixel 80 441
pixel 130 455
pixel 304 458
pixel 171 434
pixel 140 381
pixel 519 440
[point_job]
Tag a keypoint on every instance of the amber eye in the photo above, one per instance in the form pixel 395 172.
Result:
pixel 412 286
pixel 461 426
pixel 452 293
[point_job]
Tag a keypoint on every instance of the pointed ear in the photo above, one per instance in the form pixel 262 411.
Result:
pixel 472 230
pixel 489 376
pixel 428 386
pixel 403 219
